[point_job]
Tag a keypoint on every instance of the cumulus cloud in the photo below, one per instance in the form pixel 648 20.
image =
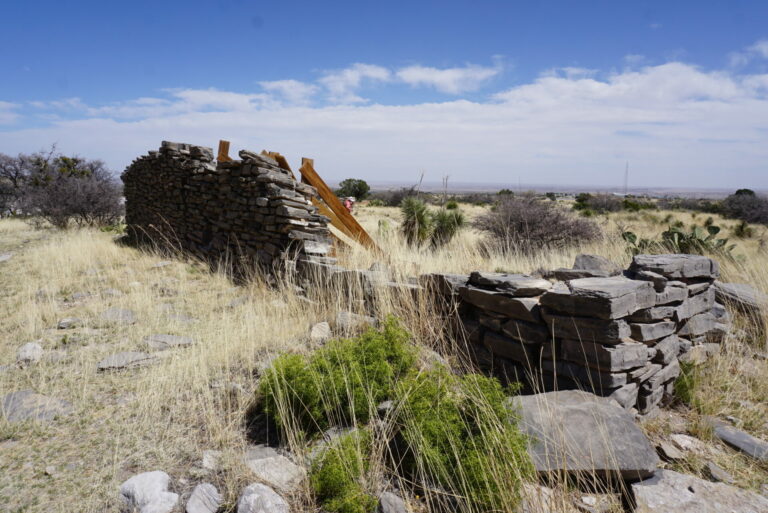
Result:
pixel 677 124
pixel 342 85
pixel 292 91
pixel 448 80
pixel 759 50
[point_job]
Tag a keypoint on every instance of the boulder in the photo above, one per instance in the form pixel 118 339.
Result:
pixel 517 285
pixel 29 354
pixel 602 298
pixel 274 469
pixel 320 332
pixel 118 316
pixel 125 360
pixel 205 498
pixel 69 322
pixel 576 432
pixel 668 491
pixel 162 342
pixel 147 493
pixel 677 266
pixel 391 503
pixel 27 405
pixel 259 498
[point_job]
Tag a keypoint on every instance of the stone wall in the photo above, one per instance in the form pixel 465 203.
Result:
pixel 620 336
pixel 247 211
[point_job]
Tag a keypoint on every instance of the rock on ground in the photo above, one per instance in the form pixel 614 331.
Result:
pixel 30 353
pixel 274 469
pixel 162 342
pixel 5 257
pixel 671 492
pixel 205 498
pixel 597 263
pixel 125 360
pixel 118 316
pixel 742 296
pixel 348 322
pixel 320 332
pixel 577 432
pixel 148 493
pixel 27 405
pixel 69 322
pixel 391 503
pixel 259 498
pixel 739 440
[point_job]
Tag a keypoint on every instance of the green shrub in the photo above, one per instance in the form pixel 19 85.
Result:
pixel 355 187
pixel 339 384
pixel 687 383
pixel 376 203
pixel 337 475
pixel 462 436
pixel 675 240
pixel 445 225
pixel 743 230
pixel 420 225
pixel 709 221
pixel 452 205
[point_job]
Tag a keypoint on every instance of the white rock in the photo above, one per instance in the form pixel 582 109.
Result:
pixel 69 322
pixel 274 469
pixel 148 493
pixel 259 498
pixel 30 353
pixel 205 498
pixel 688 443
pixel 320 332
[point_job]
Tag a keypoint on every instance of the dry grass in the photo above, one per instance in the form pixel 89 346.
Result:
pixel 165 415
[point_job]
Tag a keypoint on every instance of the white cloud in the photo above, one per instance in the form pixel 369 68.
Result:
pixel 448 80
pixel 677 124
pixel 759 50
pixel 342 84
pixel 7 113
pixel 293 91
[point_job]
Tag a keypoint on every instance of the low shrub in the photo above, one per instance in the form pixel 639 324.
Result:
pixel 746 206
pixel 452 205
pixel 376 203
pixel 338 384
pixel 526 223
pixel 686 384
pixel 675 240
pixel 461 436
pixel 393 198
pixel 337 475
pixel 420 225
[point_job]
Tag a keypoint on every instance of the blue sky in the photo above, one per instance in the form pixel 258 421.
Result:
pixel 540 92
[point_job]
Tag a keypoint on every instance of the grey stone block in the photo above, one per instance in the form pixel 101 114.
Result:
pixel 653 331
pixel 518 285
pixel 667 350
pixel 615 358
pixel 602 298
pixel 676 266
pixel 523 308
pixel 583 328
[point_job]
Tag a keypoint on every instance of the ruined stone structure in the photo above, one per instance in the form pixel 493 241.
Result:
pixel 248 211
pixel 620 336
pixel 594 327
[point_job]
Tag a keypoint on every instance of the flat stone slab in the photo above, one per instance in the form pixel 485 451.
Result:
pixel 671 492
pixel 259 498
pixel 205 498
pixel 118 316
pixel 676 266
pixel 596 263
pixel 739 440
pixel 523 308
pixel 274 469
pixel 162 342
pixel 627 355
pixel 125 360
pixel 28 405
pixel 518 285
pixel 741 295
pixel 602 298
pixel 601 331
pixel 577 432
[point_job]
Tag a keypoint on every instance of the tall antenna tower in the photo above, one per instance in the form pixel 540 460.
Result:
pixel 626 179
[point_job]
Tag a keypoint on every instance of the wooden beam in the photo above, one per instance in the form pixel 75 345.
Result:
pixel 223 151
pixel 356 232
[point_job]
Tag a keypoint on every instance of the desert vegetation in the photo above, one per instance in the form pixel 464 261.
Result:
pixel 360 411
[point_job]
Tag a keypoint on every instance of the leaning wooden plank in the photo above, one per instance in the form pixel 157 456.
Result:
pixel 223 155
pixel 281 161
pixel 358 233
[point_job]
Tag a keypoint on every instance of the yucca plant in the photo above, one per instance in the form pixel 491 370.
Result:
pixel 417 222
pixel 446 224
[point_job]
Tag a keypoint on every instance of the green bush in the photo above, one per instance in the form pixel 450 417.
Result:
pixel 686 384
pixel 743 230
pixel 462 436
pixel 338 384
pixel 376 203
pixel 445 225
pixel 675 240
pixel 452 205
pixel 420 225
pixel 337 475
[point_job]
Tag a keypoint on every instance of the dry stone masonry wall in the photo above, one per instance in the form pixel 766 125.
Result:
pixel 250 211
pixel 618 334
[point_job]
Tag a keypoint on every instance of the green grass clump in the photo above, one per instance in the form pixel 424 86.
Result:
pixel 462 436
pixel 687 383
pixel 340 384
pixel 337 476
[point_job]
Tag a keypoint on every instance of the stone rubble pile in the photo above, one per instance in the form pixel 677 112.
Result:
pixel 619 336
pixel 250 211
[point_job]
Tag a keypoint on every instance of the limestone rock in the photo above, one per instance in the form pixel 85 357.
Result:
pixel 125 360
pixel 259 498
pixel 162 342
pixel 320 332
pixel 596 263
pixel 739 440
pixel 118 316
pixel 718 474
pixel 391 503
pixel 602 298
pixel 576 432
pixel 600 331
pixel 517 285
pixel 27 405
pixel 348 322
pixel 652 331
pixel 274 469
pixel 668 491
pixel 29 354
pixel 676 266
pixel 69 322
pixel 148 493
pixel 744 297
pixel 523 308
pixel 626 355
pixel 205 498
pixel 669 452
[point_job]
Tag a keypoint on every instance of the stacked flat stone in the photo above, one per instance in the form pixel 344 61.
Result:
pixel 247 211
pixel 618 336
